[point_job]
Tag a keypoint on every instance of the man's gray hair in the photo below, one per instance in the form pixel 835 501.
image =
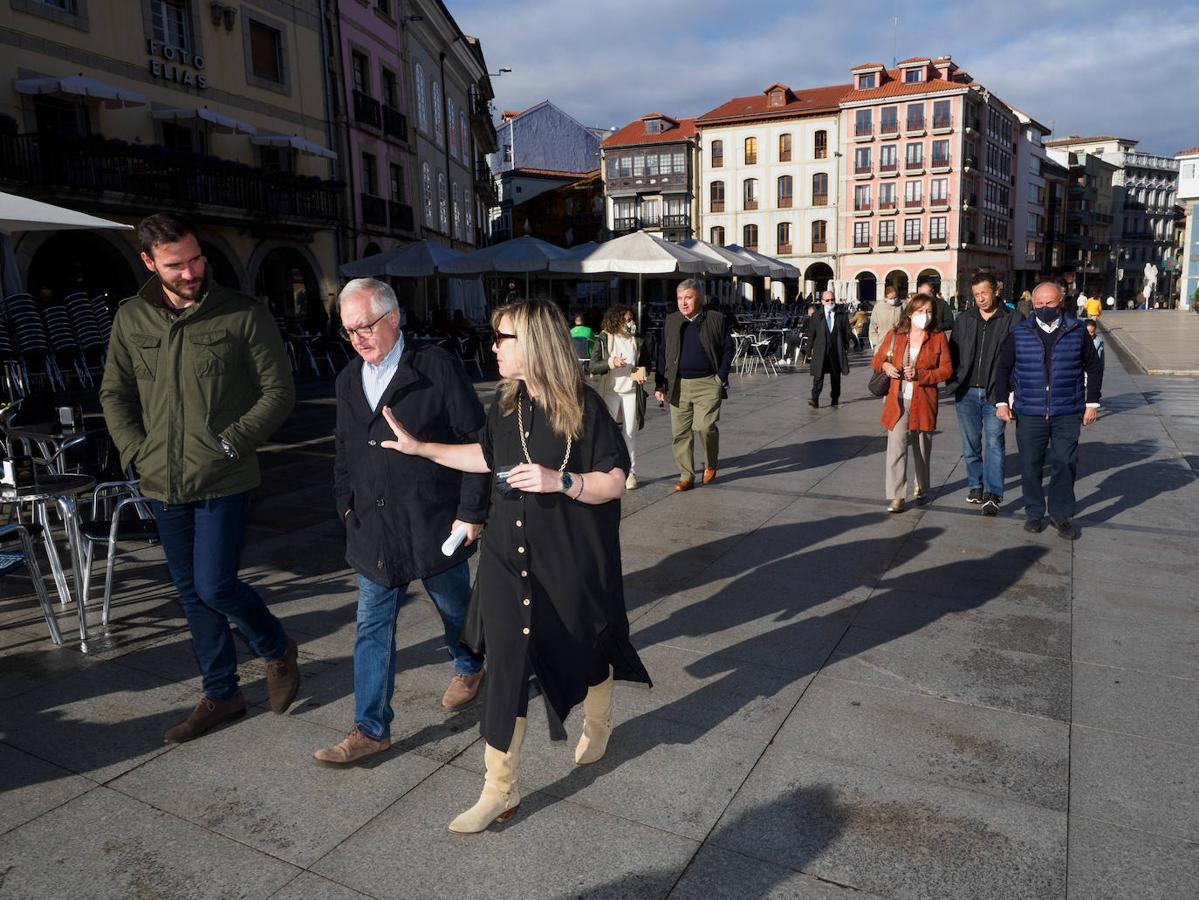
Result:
pixel 383 298
pixel 1051 284
pixel 691 284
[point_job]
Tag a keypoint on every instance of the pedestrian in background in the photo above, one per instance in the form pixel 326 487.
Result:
pixel 884 316
pixel 828 345
pixel 619 361
pixel 916 361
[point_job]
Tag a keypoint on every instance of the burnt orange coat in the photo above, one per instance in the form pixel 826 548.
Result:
pixel 933 366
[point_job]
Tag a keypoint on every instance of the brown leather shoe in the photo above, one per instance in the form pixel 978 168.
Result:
pixel 709 476
pixel 684 484
pixel 462 690
pixel 814 403
pixel 354 747
pixel 207 715
pixel 283 678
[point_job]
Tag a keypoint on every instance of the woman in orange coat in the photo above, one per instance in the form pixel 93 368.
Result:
pixel 915 355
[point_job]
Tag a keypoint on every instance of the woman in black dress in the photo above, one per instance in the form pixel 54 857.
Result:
pixel 549 587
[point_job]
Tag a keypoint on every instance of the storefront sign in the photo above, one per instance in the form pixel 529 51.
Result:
pixel 173 64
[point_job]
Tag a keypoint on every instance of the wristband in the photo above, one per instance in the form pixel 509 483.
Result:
pixel 580 493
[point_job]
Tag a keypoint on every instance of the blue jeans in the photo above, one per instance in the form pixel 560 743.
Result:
pixel 982 441
pixel 1055 437
pixel 202 542
pixel 375 642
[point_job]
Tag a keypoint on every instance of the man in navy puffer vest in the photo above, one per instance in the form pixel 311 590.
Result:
pixel 1049 362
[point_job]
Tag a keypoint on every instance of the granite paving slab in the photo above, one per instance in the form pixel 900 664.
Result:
pixel 31 786
pixel 1107 860
pixel 1160 707
pixel 719 874
pixel 1132 642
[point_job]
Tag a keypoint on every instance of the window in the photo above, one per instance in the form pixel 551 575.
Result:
pixel 651 213
pixel 751 151
pixel 391 91
pixel 626 166
pixel 680 164
pixel 913 76
pixel 886 233
pixel 716 197
pixel 784 148
pixel 170 23
pixel 889 120
pixel 457 214
pixel 443 203
pixel 820 145
pixel 861 197
pixel 866 82
pixel 370 175
pixel 915 156
pixel 940 153
pixel 938 190
pixel 639 166
pixel 384 7
pixel 717 153
pixel 886 195
pixel 786 191
pixel 913 194
pixel 861 160
pixel 437 135
pixel 941 114
pixel 783 237
pixel 888 158
pixel 749 193
pixel 749 237
pixel 863 122
pixel 266 52
pixel 184 137
pixel 653 126
pixel 915 116
pixel 422 107
pixel 427 191
pixel 861 234
pixel 936 230
pixel 467 155
pixel 911 231
pixel 820 236
pixel 651 164
pixel 395 182
pixel 450 117
pixel 716 235
pixel 820 189
pixel 358 72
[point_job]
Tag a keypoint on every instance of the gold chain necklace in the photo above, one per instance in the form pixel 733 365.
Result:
pixel 520 423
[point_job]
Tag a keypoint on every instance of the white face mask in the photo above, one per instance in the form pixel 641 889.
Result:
pixel 920 320
pixel 630 327
pixel 828 307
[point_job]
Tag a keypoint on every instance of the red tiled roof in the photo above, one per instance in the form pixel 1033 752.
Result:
pixel 801 102
pixel 869 65
pixel 1188 152
pixel 634 133
pixel 893 85
pixel 1088 139
pixel 913 59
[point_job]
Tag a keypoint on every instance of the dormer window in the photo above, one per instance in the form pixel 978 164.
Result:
pixel 653 126
pixel 777 98
pixel 868 81
pixel 913 76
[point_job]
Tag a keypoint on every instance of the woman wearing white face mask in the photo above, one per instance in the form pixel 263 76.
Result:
pixel 617 357
pixel 915 356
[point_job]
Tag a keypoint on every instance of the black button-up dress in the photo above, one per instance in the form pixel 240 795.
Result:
pixel 549 587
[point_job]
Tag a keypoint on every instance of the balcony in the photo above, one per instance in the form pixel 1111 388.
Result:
pixel 861 243
pixel 913 165
pixel 915 127
pixel 888 128
pixel 820 246
pixel 784 250
pixel 481 124
pixel 121 176
pixel 886 241
pixel 913 203
pixel 938 203
pixel 785 202
pixel 820 199
pixel 625 225
pixel 942 124
pixel 374 210
pixel 862 208
pixel 367 110
pixel 751 203
pixel 912 240
pixel 863 132
pixel 716 206
pixel 676 227
pixel 395 123
pixel 888 168
pixel 940 164
pixel 866 170
pixel 400 216
pixel 886 206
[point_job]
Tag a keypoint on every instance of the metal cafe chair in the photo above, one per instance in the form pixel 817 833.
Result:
pixel 22 556
pixel 115 530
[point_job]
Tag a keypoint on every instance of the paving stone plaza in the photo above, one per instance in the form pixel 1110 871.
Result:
pixel 846 704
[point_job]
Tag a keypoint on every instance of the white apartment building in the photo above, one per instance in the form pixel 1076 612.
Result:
pixel 1188 196
pixel 1031 211
pixel 769 177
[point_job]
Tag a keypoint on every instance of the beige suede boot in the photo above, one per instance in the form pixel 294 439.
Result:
pixel 597 722
pixel 500 796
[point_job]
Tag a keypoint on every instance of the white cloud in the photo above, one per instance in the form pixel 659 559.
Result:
pixel 1097 67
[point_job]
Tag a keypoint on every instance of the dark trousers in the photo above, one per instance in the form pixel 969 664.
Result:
pixel 831 366
pixel 202 542
pixel 1053 440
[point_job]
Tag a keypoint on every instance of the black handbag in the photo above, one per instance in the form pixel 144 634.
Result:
pixel 880 382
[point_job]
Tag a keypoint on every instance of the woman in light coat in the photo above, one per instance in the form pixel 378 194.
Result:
pixel 617 357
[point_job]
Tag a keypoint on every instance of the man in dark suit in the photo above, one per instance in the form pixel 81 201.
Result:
pixel 828 340
pixel 399 509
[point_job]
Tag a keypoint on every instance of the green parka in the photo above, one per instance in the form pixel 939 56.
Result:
pixel 175 384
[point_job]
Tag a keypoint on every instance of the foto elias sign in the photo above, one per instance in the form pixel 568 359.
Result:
pixel 168 63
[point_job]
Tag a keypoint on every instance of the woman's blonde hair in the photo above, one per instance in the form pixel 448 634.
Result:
pixel 552 371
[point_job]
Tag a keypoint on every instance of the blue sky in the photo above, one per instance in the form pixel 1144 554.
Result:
pixel 1078 66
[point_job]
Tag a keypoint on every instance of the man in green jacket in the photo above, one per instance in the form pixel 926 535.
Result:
pixel 197 378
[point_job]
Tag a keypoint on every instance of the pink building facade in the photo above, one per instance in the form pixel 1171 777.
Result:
pixel 927 173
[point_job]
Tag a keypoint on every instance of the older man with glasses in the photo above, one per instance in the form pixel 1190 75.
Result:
pixel 398 510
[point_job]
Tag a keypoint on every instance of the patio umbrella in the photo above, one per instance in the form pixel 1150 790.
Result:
pixel 640 254
pixel 22 214
pixel 521 254
pixel 738 265
pixel 775 268
pixel 420 259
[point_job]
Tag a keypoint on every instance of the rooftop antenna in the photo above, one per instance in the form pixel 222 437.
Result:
pixel 894 42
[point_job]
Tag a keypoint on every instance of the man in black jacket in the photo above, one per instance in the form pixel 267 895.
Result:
pixel 828 343
pixel 693 371
pixel 398 510
pixel 974 344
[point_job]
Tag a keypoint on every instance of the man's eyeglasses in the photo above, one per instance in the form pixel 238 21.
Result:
pixel 498 337
pixel 361 330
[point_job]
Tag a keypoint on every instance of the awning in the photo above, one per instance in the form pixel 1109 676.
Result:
pixel 294 142
pixel 23 214
pixel 219 121
pixel 80 86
